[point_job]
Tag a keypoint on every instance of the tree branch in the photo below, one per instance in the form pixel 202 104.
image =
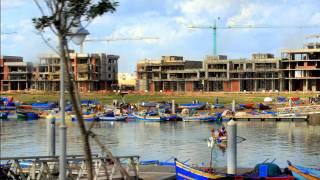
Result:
pixel 47 42
pixel 43 14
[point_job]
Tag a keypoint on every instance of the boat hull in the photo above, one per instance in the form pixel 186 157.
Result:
pixel 184 171
pixel 302 173
pixel 150 118
pixel 114 118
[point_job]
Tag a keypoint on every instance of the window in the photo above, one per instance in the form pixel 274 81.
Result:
pixel 109 75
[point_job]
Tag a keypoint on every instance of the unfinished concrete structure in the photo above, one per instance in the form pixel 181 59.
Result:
pixel 259 73
pixel 301 68
pixel 91 72
pixel 14 73
pixel 171 73
pixel 213 74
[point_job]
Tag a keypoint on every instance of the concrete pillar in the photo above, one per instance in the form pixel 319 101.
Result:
pixel 307 85
pixel 233 106
pixel 255 84
pixel 272 85
pixel 51 135
pixel 173 107
pixel 232 147
pixel 18 85
pixel 290 84
pixel 314 119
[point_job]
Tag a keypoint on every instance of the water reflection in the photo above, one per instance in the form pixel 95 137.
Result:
pixel 297 142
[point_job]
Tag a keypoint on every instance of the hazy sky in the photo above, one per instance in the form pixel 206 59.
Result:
pixel 168 20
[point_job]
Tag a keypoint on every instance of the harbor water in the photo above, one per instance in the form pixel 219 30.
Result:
pixel 282 141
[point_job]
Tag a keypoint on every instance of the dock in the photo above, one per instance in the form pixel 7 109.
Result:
pixel 273 118
pixel 46 167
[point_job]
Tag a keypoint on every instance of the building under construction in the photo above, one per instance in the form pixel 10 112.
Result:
pixel 296 70
pixel 14 73
pixel 92 72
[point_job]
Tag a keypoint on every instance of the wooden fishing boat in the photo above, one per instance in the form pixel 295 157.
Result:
pixel 267 171
pixel 4 115
pixel 112 118
pixel 304 173
pixel 198 118
pixel 192 106
pixel 148 117
pixel 263 107
pixel 86 117
pixel 44 106
pixel 27 115
pixel 24 106
pixel 247 106
pixel 184 171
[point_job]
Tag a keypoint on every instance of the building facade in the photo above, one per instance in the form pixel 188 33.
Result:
pixel 171 73
pixel 14 73
pixel 296 70
pixel 301 68
pixel 127 81
pixel 92 72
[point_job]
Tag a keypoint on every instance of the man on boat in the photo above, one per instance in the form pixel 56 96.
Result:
pixel 222 132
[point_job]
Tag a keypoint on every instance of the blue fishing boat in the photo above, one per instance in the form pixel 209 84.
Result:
pixel 44 106
pixel 149 117
pixel 198 118
pixel 192 106
pixel 184 171
pixel 111 116
pixel 304 173
pixel 9 108
pixel 86 117
pixel 266 171
pixel 27 115
pixel 4 115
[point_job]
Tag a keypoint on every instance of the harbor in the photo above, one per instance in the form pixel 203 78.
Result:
pixel 161 90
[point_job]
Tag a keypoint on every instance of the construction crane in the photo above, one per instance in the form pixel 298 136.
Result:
pixel 313 36
pixel 117 39
pixel 214 28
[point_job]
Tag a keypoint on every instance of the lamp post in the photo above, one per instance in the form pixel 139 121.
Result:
pixel 78 34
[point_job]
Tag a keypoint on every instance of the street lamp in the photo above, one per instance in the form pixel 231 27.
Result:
pixel 78 34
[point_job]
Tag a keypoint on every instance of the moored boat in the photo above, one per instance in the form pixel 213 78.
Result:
pixel 27 115
pixel 4 115
pixel 304 173
pixel 192 106
pixel 44 106
pixel 198 118
pixel 267 171
pixel 184 171
pixel 86 117
pixel 149 117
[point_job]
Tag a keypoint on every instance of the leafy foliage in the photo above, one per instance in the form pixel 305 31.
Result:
pixel 65 12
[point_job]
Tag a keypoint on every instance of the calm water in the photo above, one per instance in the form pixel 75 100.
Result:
pixel 297 141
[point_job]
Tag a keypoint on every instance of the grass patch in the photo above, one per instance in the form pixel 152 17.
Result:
pixel 106 98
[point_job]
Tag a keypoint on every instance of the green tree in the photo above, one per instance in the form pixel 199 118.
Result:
pixel 60 16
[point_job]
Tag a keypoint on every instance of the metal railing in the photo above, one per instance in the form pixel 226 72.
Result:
pixel 46 167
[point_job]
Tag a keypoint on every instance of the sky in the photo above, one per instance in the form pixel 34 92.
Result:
pixel 168 20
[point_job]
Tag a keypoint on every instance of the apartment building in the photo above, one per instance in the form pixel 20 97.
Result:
pixel 301 68
pixel 261 72
pixel 213 74
pixel 92 72
pixel 14 73
pixel 171 73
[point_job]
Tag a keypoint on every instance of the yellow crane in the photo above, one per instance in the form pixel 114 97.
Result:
pixel 116 39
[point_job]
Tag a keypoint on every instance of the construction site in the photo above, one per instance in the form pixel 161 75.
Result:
pixel 296 70
pixel 92 72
